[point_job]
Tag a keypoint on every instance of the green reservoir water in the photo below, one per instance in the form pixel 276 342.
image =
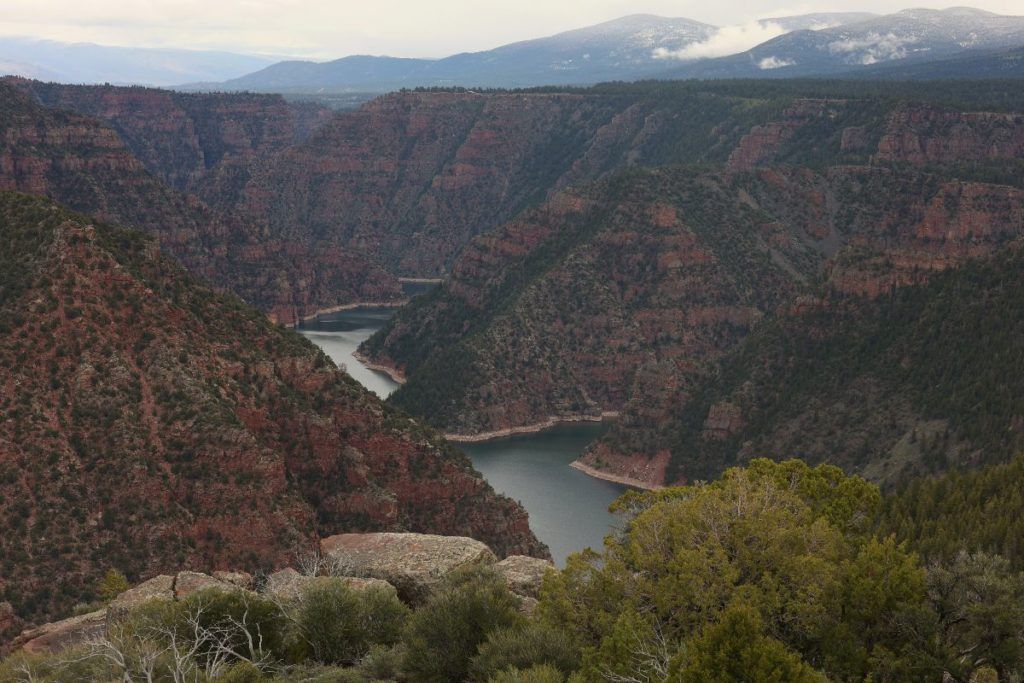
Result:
pixel 568 510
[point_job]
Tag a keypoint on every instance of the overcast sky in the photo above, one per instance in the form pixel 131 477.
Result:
pixel 408 28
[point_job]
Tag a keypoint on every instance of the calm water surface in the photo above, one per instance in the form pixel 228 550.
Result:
pixel 340 334
pixel 568 510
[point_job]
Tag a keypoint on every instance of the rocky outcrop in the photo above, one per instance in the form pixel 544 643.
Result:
pixel 157 588
pixel 524 575
pixel 929 135
pixel 413 563
pixel 288 584
pixel 194 432
pixel 765 142
pixel 242 580
pixel 723 420
pixel 61 635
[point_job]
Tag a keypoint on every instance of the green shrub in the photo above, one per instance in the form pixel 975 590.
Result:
pixel 230 610
pixel 311 673
pixel 443 635
pixel 542 673
pixel 113 584
pixel 242 672
pixel 341 625
pixel 522 647
pixel 382 663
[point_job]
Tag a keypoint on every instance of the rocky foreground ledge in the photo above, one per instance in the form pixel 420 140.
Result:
pixel 411 565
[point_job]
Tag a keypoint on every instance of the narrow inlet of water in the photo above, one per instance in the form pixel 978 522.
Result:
pixel 568 509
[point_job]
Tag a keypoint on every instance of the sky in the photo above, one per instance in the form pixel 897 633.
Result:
pixel 327 29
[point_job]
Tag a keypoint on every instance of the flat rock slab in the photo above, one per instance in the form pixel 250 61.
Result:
pixel 60 635
pixel 523 574
pixel 240 579
pixel 289 585
pixel 189 583
pixel 412 563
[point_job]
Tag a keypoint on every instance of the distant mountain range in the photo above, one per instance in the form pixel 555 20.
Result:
pixel 87 63
pixel 650 47
pixel 959 42
pixel 893 41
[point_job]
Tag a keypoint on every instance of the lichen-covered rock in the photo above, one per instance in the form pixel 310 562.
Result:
pixel 288 584
pixel 158 588
pixel 188 583
pixel 524 574
pixel 240 579
pixel 63 634
pixel 528 605
pixel 413 563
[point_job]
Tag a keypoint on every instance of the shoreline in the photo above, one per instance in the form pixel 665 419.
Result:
pixel 394 373
pixel 614 478
pixel 421 280
pixel 350 307
pixel 530 428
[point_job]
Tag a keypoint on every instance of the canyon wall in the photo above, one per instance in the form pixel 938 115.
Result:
pixel 151 423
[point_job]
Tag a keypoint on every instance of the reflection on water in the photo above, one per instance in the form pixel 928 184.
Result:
pixel 568 510
pixel 340 334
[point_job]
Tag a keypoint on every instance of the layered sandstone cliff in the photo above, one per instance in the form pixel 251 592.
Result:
pixel 150 423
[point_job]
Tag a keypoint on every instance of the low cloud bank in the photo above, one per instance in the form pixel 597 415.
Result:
pixel 872 48
pixel 728 40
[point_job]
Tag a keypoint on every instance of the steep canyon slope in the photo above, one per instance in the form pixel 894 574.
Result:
pixel 142 166
pixel 149 423
pixel 624 296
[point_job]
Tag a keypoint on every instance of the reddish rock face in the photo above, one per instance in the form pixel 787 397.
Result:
pixel 172 427
pixel 928 135
pixel 188 140
pixel 88 167
pixel 762 145
pixel 724 419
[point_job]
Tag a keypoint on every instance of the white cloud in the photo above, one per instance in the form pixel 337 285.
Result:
pixel 728 40
pixel 774 62
pixel 409 28
pixel 873 48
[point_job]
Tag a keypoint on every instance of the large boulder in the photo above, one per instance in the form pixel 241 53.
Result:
pixel 60 635
pixel 413 563
pixel 241 579
pixel 158 588
pixel 188 583
pixel 524 574
pixel 288 585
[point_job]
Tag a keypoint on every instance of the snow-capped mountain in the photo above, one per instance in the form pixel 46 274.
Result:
pixel 623 48
pixel 629 48
pixel 909 36
pixel 646 46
